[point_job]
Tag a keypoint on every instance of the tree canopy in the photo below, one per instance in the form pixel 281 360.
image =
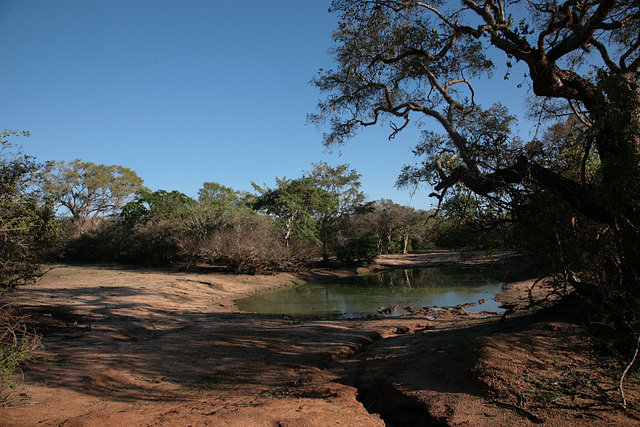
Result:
pixel 294 203
pixel 160 205
pixel 218 197
pixel 90 191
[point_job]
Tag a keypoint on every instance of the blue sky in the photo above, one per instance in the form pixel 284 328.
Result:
pixel 183 92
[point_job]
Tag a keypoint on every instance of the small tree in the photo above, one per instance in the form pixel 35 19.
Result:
pixel 223 200
pixel 411 224
pixel 160 205
pixel 154 226
pixel 293 205
pixel 362 250
pixel 343 186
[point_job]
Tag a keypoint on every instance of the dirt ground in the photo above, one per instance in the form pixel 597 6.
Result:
pixel 142 347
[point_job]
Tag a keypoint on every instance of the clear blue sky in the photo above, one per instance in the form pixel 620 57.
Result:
pixel 182 92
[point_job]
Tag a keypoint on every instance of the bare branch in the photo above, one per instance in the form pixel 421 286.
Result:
pixel 397 129
pixel 633 48
pixel 437 13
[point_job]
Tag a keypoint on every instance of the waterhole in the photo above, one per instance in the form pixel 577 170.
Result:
pixel 363 296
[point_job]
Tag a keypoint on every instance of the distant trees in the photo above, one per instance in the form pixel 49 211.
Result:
pixel 321 213
pixel 114 218
pixel 394 228
pixel 89 191
pixel 152 226
pixel 409 223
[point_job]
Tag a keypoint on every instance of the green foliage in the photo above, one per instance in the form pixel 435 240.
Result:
pixel 156 206
pixel 361 250
pixel 27 229
pixel 164 228
pixel 396 228
pixel 146 232
pixel 342 185
pixel 27 235
pixel 398 61
pixel 294 204
pixel 153 225
pixel 220 198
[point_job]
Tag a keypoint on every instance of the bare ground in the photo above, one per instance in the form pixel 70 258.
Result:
pixel 139 347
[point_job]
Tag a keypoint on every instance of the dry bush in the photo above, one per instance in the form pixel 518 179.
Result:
pixel 17 345
pixel 247 245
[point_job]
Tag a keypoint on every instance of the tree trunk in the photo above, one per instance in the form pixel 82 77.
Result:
pixel 617 140
pixel 406 242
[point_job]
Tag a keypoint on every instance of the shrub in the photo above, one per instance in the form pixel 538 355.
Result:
pixel 27 229
pixel 361 250
pixel 17 345
pixel 247 245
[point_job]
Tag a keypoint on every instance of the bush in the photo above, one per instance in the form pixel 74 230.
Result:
pixel 27 229
pixel 151 244
pixel 361 250
pixel 91 246
pixel 17 345
pixel 248 245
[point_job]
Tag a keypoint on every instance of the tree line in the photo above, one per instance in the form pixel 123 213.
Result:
pixel 82 211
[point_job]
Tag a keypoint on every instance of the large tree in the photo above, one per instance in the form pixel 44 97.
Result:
pixel 406 59
pixel 90 191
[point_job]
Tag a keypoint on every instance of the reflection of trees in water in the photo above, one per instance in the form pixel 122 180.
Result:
pixel 363 295
pixel 434 277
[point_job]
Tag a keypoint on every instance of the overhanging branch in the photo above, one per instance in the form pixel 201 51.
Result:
pixel 584 198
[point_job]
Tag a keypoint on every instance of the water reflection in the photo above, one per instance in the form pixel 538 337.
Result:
pixel 365 295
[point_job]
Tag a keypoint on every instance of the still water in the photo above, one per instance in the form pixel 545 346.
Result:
pixel 363 295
